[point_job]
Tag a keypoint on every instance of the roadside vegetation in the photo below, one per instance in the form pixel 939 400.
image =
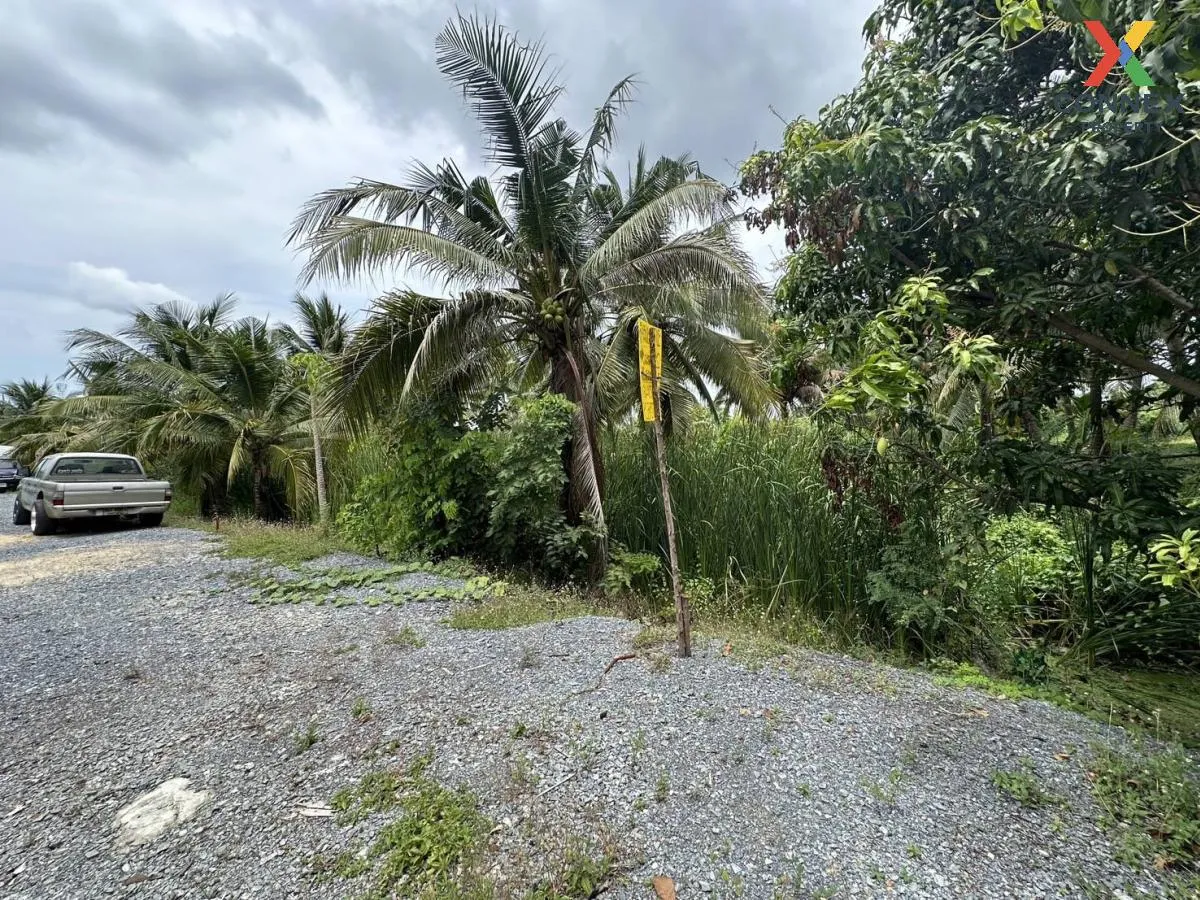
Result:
pixel 961 431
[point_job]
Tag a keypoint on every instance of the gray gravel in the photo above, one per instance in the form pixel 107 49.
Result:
pixel 128 659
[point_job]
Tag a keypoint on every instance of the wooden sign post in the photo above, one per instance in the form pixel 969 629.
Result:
pixel 650 372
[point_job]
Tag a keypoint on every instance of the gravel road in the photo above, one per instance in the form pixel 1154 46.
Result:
pixel 130 658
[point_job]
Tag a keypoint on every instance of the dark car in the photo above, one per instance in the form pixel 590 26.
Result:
pixel 11 473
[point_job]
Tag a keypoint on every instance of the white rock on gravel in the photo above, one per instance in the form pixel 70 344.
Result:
pixel 151 814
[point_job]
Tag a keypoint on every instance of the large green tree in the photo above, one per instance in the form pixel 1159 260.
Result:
pixel 1062 218
pixel 536 268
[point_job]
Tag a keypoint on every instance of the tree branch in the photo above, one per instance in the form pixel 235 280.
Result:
pixel 1130 360
pixel 1170 294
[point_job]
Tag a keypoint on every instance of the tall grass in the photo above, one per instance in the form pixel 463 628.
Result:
pixel 350 460
pixel 754 513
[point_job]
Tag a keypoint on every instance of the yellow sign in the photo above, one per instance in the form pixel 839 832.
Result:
pixel 647 332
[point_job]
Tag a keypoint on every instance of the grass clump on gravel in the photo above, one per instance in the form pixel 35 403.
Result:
pixel 304 740
pixel 436 846
pixel 1153 803
pixel 287 545
pixel 431 850
pixel 406 638
pixel 1023 786
pixel 522 605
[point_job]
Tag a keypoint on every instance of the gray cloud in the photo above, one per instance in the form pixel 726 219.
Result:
pixel 164 148
pixel 147 84
pixel 382 51
pixel 39 100
pixel 709 71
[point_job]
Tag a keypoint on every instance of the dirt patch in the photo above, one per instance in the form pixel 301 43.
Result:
pixel 68 561
pixel 12 540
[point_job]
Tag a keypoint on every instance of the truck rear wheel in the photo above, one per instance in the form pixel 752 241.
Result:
pixel 39 523
pixel 20 513
pixel 151 520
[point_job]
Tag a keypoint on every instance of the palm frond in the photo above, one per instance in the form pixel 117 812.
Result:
pixel 603 134
pixel 646 229
pixel 507 82
pixel 350 248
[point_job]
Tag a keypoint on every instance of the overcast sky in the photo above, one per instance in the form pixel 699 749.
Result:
pixel 158 149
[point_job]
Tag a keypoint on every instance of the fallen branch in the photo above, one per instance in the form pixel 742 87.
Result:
pixel 607 669
pixel 556 785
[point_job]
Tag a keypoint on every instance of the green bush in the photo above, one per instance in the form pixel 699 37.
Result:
pixel 526 501
pixel 1027 568
pixel 430 497
pixel 528 525
pixel 920 592
pixel 632 573
pixel 451 490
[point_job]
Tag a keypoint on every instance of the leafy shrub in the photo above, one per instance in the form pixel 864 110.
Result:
pixel 527 523
pixel 1175 561
pixel 527 499
pixel 919 591
pixel 431 497
pixel 1139 616
pixel 1030 665
pixel 632 573
pixel 450 490
pixel 1027 565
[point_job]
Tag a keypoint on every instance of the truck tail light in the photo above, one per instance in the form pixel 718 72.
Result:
pixel 167 496
pixel 56 501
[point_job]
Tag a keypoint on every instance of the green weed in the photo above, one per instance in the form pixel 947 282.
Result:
pixel 305 740
pixel 361 710
pixel 435 847
pixel 886 791
pixel 378 790
pixel 520 606
pixel 1152 802
pixel 964 675
pixel 405 637
pixel 1023 786
pixel 347 864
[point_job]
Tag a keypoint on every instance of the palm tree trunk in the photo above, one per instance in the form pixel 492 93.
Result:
pixel 260 501
pixel 566 379
pixel 1135 402
pixel 319 463
pixel 987 425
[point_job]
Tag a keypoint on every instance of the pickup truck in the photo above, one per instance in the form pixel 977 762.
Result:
pixel 86 486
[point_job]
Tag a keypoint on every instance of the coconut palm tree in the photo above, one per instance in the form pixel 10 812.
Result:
pixel 24 420
pixel 533 265
pixel 324 330
pixel 21 397
pixel 711 337
pixel 233 406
